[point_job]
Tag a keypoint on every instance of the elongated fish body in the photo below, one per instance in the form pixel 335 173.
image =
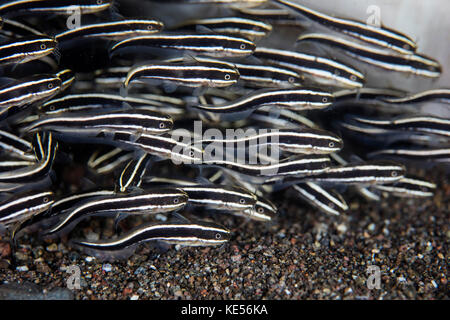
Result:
pixel 238 3
pixel 15 146
pixel 25 49
pixel 185 234
pixel 149 202
pixel 306 165
pixel 204 73
pixel 111 77
pixel 283 118
pixel 248 28
pixel 106 162
pixel 408 187
pixel 21 207
pixel 370 172
pixel 425 124
pixel 162 146
pixel 131 176
pixel 292 99
pixel 14 29
pixel 424 96
pixel 13 165
pixel 295 141
pixel 414 153
pixel 207 44
pixel 262 76
pixel 134 121
pixel 321 70
pixel 16 8
pixel 326 201
pixel 114 30
pixel 412 63
pixel 36 171
pixel 364 94
pixel 68 202
pixel 379 36
pixel 91 102
pixel 275 16
pixel 220 197
pixel 28 90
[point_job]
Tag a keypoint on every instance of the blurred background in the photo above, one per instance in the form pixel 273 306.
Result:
pixel 426 22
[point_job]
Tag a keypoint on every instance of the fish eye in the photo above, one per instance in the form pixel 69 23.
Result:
pixel 353 77
pixel 150 27
pixel 191 153
pixel 394 173
pixel 331 205
pixel 218 236
pixel 50 86
pixel 162 125
pixel 260 210
pixel 227 77
pixel 324 99
pixel 176 200
pixel 242 200
pixel 52 108
pixel 43 46
pixel 324 165
pixel 331 144
pixel 99 2
pixel 46 199
pixel 242 46
pixel 291 80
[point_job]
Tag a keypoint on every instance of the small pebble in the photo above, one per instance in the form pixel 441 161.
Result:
pixel 107 267
pixel 22 268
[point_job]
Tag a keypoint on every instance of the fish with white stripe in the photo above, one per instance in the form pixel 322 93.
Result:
pixel 317 69
pixel 328 201
pixel 26 49
pixel 248 28
pixel 380 36
pixel 199 73
pixel 179 233
pixel 148 202
pixel 214 45
pixel 15 8
pixel 414 63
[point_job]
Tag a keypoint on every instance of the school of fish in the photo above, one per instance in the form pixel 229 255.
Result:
pixel 100 108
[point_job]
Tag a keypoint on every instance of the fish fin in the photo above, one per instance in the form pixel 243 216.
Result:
pixel 202 180
pixel 4 81
pixel 105 255
pixel 161 246
pixel 169 87
pixel 254 60
pixel 204 30
pixel 180 217
pixel 123 91
pixel 200 91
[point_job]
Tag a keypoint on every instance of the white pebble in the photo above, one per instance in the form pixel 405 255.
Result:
pixel 22 268
pixel 107 267
pixel 134 297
